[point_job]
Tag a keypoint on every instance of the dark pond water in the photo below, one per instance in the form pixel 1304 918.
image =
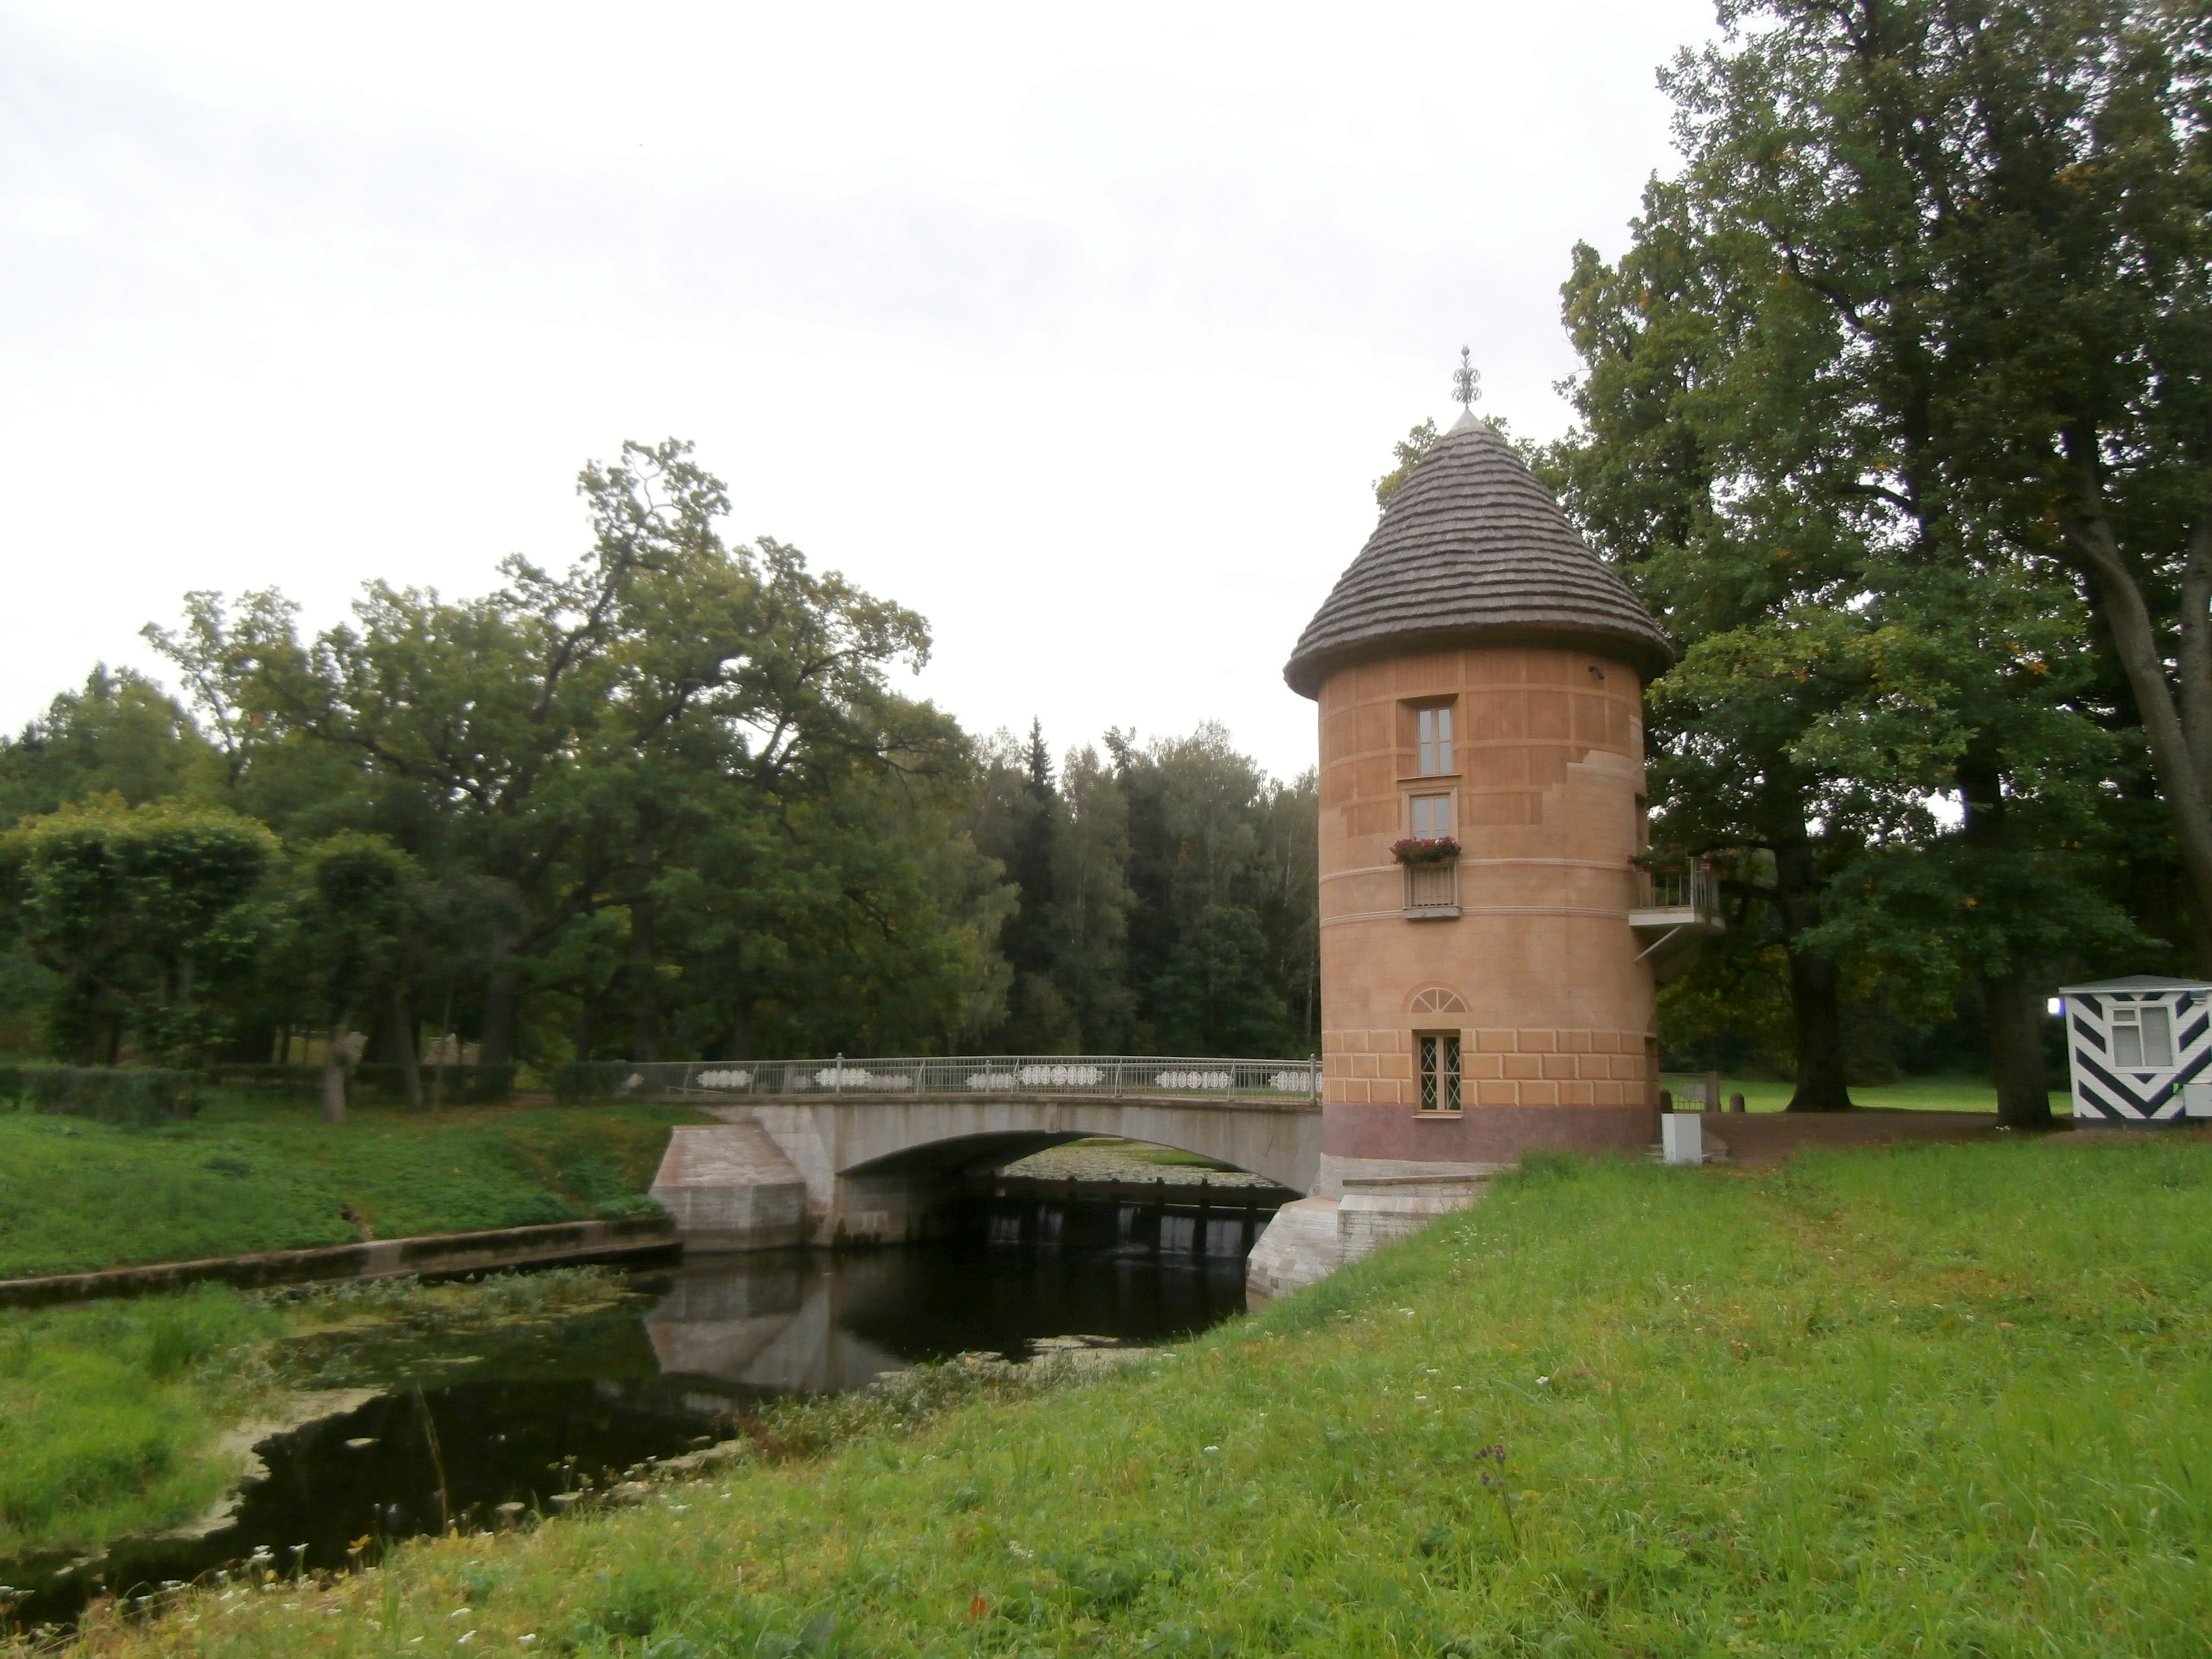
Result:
pixel 514 1416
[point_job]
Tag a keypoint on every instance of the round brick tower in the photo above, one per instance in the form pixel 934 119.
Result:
pixel 1480 675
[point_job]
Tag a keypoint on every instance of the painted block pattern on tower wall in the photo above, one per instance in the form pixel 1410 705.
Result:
pixel 1501 1068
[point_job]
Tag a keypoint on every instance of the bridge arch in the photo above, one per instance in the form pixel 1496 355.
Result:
pixel 873 1169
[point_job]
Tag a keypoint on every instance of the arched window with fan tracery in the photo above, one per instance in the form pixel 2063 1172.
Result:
pixel 1436 1000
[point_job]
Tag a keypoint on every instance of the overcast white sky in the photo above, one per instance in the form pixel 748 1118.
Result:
pixel 1084 332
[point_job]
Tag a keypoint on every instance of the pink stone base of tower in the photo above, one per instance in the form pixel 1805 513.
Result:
pixel 1485 1134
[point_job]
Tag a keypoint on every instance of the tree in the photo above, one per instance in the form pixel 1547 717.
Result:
pixel 1787 446
pixel 2003 216
pixel 1089 922
pixel 1041 1019
pixel 857 918
pixel 1221 856
pixel 2008 215
pixel 1407 452
pixel 522 739
pixel 120 736
pixel 1213 995
pixel 1711 467
pixel 150 917
pixel 351 912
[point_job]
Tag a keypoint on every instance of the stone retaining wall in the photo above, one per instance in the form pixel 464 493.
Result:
pixel 434 1255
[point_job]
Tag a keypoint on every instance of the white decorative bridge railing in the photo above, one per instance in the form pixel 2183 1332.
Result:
pixel 1285 1081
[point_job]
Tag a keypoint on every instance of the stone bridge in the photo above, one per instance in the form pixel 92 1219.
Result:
pixel 866 1167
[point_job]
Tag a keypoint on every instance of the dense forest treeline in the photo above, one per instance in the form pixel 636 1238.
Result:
pixel 663 805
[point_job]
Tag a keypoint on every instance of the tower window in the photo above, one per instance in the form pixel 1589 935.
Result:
pixel 1431 815
pixel 1434 732
pixel 1439 1057
pixel 2142 1038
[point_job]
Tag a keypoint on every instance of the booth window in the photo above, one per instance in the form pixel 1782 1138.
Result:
pixel 1439 1056
pixel 2142 1038
pixel 1434 732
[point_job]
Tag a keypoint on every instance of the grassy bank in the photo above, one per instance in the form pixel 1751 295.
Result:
pixel 1942 1399
pixel 115 1416
pixel 108 1414
pixel 76 1195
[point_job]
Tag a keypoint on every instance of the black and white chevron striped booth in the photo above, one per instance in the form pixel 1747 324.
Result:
pixel 2140 1049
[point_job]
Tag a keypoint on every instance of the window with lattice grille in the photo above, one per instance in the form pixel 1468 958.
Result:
pixel 1438 1051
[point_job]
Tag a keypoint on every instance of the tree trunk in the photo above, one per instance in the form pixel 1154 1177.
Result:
pixel 741 1042
pixel 502 997
pixel 445 1036
pixel 2009 1000
pixel 403 1043
pixel 1816 983
pixel 334 1078
pixel 644 979
pixel 587 1009
pixel 2008 995
pixel 1816 1007
pixel 2142 657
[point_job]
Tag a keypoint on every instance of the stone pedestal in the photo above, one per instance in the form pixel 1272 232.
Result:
pixel 1299 1247
pixel 1312 1238
pixel 729 1187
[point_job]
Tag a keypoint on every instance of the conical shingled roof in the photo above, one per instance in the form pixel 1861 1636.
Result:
pixel 1474 549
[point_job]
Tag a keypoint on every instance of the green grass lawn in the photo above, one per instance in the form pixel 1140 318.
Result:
pixel 1917 1094
pixel 1939 1399
pixel 76 1195
pixel 107 1412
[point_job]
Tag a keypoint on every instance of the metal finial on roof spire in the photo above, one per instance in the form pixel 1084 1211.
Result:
pixel 1466 381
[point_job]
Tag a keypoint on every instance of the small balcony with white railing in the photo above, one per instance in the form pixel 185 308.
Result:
pixel 1674 910
pixel 1431 874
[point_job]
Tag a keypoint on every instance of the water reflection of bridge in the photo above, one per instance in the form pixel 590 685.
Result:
pixel 772 1331
pixel 848 1152
pixel 729 1328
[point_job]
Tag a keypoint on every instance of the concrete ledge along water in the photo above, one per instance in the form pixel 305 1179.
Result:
pixel 428 1256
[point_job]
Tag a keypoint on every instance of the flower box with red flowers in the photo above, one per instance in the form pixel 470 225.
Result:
pixel 1425 849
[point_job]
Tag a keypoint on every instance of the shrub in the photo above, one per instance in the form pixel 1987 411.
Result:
pixel 142 1096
